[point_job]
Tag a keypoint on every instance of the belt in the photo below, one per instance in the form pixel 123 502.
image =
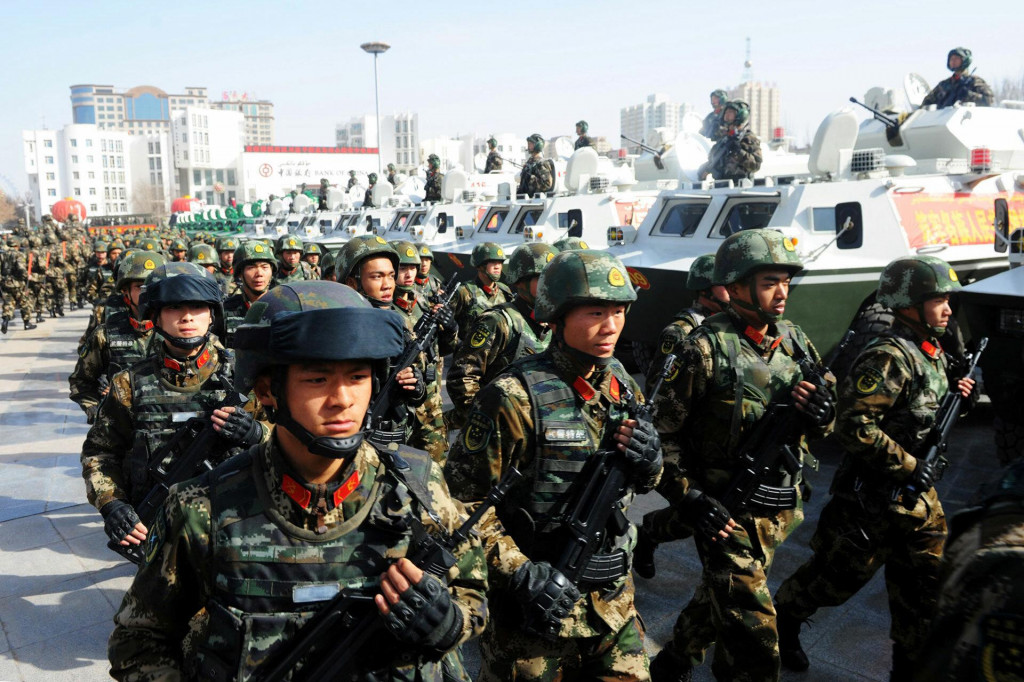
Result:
pixel 774 497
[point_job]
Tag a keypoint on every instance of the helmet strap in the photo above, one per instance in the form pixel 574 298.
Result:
pixel 189 343
pixel 584 360
pixel 331 448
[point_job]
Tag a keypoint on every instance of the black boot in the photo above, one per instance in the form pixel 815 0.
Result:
pixel 39 317
pixel 643 554
pixel 668 667
pixel 60 311
pixel 3 327
pixel 28 324
pixel 792 654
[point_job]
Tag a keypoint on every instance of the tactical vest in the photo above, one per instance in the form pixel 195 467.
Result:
pixel 522 341
pixel 159 410
pixel 480 302
pixel 563 444
pixel 270 576
pixel 125 345
pixel 106 282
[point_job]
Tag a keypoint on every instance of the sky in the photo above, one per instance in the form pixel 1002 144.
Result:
pixel 483 67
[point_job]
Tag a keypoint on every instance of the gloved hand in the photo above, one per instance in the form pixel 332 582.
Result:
pixel 643 452
pixel 708 515
pixel 927 474
pixel 546 596
pixel 426 616
pixel 413 394
pixel 241 429
pixel 820 409
pixel 119 519
pixel 446 319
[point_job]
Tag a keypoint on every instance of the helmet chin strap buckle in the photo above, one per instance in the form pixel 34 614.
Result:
pixel 188 343
pixel 331 448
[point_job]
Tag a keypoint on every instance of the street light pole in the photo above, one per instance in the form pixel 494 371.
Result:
pixel 376 49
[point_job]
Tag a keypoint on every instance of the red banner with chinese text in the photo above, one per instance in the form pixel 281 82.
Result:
pixel 954 219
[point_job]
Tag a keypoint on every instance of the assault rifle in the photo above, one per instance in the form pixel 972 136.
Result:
pixel 594 508
pixel 332 640
pixel 774 441
pixel 650 150
pixel 193 449
pixel 937 441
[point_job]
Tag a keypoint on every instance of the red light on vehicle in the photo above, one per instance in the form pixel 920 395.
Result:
pixel 981 159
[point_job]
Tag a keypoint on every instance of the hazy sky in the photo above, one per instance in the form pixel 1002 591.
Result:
pixel 481 66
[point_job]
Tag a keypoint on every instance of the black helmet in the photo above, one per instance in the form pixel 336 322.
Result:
pixel 965 58
pixel 288 324
pixel 182 282
pixel 538 142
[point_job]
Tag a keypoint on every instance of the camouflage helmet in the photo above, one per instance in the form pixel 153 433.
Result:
pixel 529 260
pixel 148 244
pixel 722 96
pixel 351 173
pixel 577 277
pixel 99 245
pixel 327 264
pixel 425 251
pixel 251 252
pixel 702 273
pixel 583 126
pixel 965 58
pixel 324 182
pixel 288 242
pixel 742 110
pixel 911 280
pixel 744 252
pixel 226 244
pixel 34 241
pixel 50 239
pixel 180 244
pixel 434 161
pixel 485 252
pixel 408 254
pixel 358 249
pixel 202 254
pixel 492 143
pixel 137 266
pixel 115 244
pixel 391 167
pixel 13 242
pixel 372 177
pixel 314 248
pixel 538 142
pixel 174 283
pixel 570 244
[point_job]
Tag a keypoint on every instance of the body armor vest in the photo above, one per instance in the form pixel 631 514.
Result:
pixel 522 341
pixel 270 576
pixel 480 301
pixel 125 345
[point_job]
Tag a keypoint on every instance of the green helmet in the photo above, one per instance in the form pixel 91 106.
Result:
pixel 358 249
pixel 744 252
pixel 538 142
pixel 577 277
pixel 485 252
pixel 391 168
pixel 251 252
pixel 372 177
pixel 312 247
pixel 148 244
pixel 137 266
pixel 408 254
pixel 742 110
pixel 99 246
pixel 492 143
pixel 13 242
pixel 583 126
pixel 434 161
pixel 722 96
pixel 324 182
pixel 327 265
pixel 227 244
pixel 529 260
pixel 34 241
pixel 288 242
pixel 911 280
pixel 965 56
pixel 702 273
pixel 178 245
pixel 202 254
pixel 570 244
pixel 174 283
pixel 425 251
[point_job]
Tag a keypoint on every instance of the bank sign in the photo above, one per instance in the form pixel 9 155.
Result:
pixel 278 172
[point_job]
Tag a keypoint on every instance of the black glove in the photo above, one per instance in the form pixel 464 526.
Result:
pixel 546 596
pixel 446 319
pixel 426 616
pixel 927 473
pixel 643 452
pixel 119 519
pixel 820 409
pixel 412 396
pixel 708 515
pixel 241 429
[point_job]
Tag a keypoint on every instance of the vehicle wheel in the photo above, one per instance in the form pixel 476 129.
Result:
pixel 1009 440
pixel 872 321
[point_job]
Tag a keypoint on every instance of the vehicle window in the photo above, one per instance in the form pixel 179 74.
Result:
pixel 824 219
pixel 417 219
pixel 748 215
pixel 681 219
pixel 526 219
pixel 493 220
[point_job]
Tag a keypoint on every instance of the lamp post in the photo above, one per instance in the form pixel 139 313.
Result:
pixel 376 49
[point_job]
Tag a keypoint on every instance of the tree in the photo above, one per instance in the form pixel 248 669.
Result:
pixel 1010 88
pixel 8 209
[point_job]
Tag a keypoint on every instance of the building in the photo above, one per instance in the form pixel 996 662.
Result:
pixel 449 150
pixel 111 172
pixel 510 146
pixel 278 170
pixel 657 111
pixel 401 148
pixel 208 146
pixel 258 113
pixel 764 107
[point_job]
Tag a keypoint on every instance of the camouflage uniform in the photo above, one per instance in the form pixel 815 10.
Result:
pixel 16 292
pixel 735 157
pixel 39 258
pixel 116 345
pixel 494 161
pixel 975 634
pixel 302 272
pixel 56 285
pixel 712 127
pixel 963 89
pixel 432 188
pixel 535 176
pixel 100 282
pixel 473 297
pixel 583 141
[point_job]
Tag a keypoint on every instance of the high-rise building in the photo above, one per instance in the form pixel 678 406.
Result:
pixel 259 115
pixel 208 146
pixel 402 147
pixel 637 121
pixel 764 107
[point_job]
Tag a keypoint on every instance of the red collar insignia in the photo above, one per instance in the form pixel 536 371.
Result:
pixel 203 358
pixel 585 390
pixel 931 350
pixel 171 363
pixel 143 326
pixel 346 488
pixel 489 289
pixel 758 338
pixel 614 389
pixel 404 303
pixel 421 279
pixel 296 491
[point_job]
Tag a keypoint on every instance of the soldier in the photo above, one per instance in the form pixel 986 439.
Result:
pixel 179 250
pixel 428 283
pixel 15 288
pixel 392 175
pixel 368 196
pixel 352 181
pixel 547 415
pixel 311 254
pixel 887 405
pixel 317 487
pixel 253 265
pixel 536 175
pixel 494 161
pixel 205 256
pixel 291 268
pixel 502 334
pixel 38 260
pixel 102 278
pixel 712 127
pixel 119 342
pixel 737 154
pixel 730 368
pixel 582 140
pixel 187 374
pixel 432 187
pixel 327 267
pixel 962 87
pixel 225 272
pixel 72 263
pixel 486 290
pixel 325 187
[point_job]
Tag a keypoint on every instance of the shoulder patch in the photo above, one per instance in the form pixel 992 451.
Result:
pixel 1000 651
pixel 478 431
pixel 155 539
pixel 667 345
pixel 479 336
pixel 869 380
